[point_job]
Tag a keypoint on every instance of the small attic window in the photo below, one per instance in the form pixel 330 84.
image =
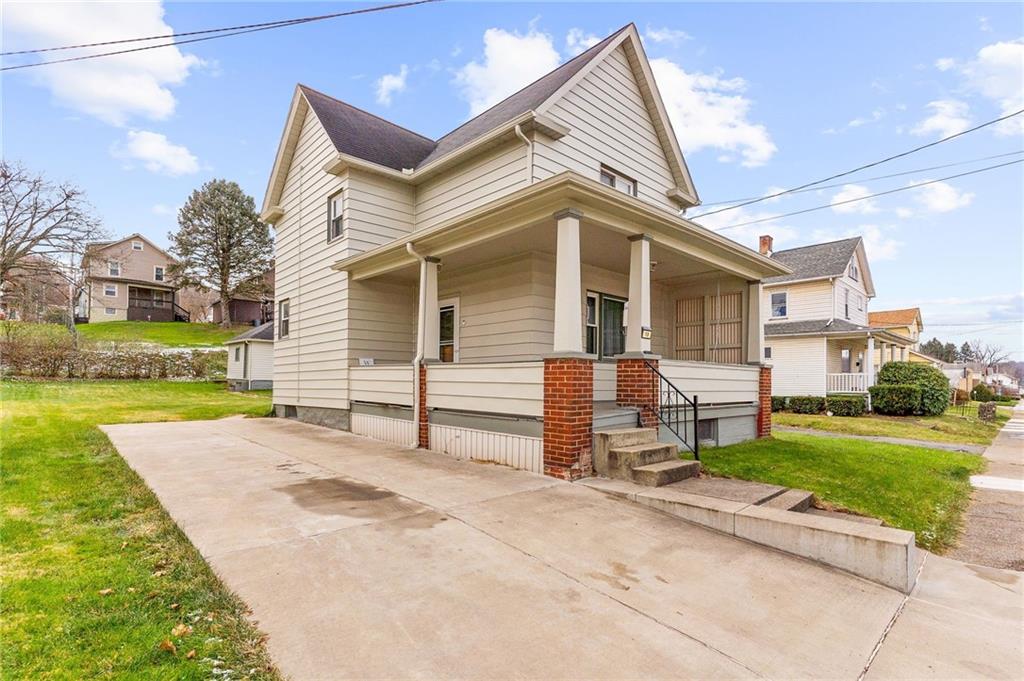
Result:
pixel 136 245
pixel 617 180
pixel 854 273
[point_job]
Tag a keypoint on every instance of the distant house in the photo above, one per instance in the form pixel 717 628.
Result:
pixel 816 332
pixel 254 308
pixel 35 290
pixel 907 323
pixel 1002 384
pixel 963 376
pixel 251 359
pixel 128 279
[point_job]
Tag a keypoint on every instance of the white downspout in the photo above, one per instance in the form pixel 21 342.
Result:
pixel 529 153
pixel 420 329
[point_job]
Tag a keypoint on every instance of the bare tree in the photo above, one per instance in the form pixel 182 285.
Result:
pixel 41 218
pixel 989 355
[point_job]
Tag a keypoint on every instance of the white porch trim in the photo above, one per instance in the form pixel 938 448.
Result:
pixel 639 311
pixel 568 326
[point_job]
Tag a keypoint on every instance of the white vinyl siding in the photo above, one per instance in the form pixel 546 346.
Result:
pixel 387 384
pixel 236 360
pixel 517 451
pixel 798 365
pixel 610 125
pixel 261 361
pixel 808 300
pixel 497 388
pixel 713 383
pixel 378 210
pixel 382 321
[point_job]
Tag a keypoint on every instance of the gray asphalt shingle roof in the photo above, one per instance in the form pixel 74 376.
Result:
pixel 812 326
pixel 371 138
pixel 815 261
pixel 261 332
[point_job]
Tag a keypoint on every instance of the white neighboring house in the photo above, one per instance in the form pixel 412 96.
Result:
pixel 251 359
pixel 1003 384
pixel 817 336
pixel 469 294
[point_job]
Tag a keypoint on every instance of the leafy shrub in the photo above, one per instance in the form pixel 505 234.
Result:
pixel 932 383
pixel 982 393
pixel 987 411
pixel 778 403
pixel 807 404
pixel 846 405
pixel 895 399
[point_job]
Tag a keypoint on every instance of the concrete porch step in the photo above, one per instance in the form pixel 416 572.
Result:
pixel 665 472
pixel 797 500
pixel 622 460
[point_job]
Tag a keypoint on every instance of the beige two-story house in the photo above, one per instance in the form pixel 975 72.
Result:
pixel 511 288
pixel 817 332
pixel 128 279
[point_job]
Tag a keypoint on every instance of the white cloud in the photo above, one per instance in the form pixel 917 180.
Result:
pixel 852 192
pixel 878 244
pixel 708 111
pixel 945 63
pixel 164 209
pixel 860 121
pixel 156 153
pixel 511 61
pixel 904 213
pixel 940 197
pixel 673 36
pixel 577 41
pixel 949 116
pixel 997 73
pixel 390 84
pixel 113 89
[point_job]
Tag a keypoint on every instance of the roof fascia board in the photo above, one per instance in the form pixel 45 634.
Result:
pixel 134 237
pixel 861 254
pixel 285 148
pixel 790 282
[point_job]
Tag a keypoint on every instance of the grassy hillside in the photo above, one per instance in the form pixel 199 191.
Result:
pixel 169 334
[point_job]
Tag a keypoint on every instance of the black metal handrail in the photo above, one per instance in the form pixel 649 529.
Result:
pixel 674 409
pixel 181 314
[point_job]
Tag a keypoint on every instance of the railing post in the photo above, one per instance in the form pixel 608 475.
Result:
pixel 696 420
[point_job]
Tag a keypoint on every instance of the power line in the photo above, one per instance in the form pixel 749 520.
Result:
pixel 863 167
pixel 880 177
pixel 869 196
pixel 220 33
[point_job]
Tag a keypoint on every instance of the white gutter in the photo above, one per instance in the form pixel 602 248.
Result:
pixel 420 328
pixel 529 153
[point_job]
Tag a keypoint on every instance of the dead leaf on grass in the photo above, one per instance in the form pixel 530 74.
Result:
pixel 175 606
pixel 106 592
pixel 181 630
pixel 190 654
pixel 168 646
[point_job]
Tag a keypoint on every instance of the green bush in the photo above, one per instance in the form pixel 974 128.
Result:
pixel 932 383
pixel 982 393
pixel 846 405
pixel 895 399
pixel 778 403
pixel 807 404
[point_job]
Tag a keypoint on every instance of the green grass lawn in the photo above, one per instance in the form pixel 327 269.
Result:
pixel 949 427
pixel 923 490
pixel 95 575
pixel 170 334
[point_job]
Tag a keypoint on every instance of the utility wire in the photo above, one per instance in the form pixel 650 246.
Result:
pixel 880 177
pixel 219 33
pixel 863 167
pixel 869 196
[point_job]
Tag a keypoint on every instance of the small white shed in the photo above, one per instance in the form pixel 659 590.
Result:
pixel 251 359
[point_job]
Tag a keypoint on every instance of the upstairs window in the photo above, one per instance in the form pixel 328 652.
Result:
pixel 854 273
pixel 136 245
pixel 158 273
pixel 283 318
pixel 113 268
pixel 334 211
pixel 780 305
pixel 846 304
pixel 617 180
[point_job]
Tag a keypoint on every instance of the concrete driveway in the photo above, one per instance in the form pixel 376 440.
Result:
pixel 361 559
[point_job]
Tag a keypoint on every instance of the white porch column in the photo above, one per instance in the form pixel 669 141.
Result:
pixel 869 362
pixel 639 294
pixel 881 353
pixel 755 328
pixel 904 354
pixel 432 325
pixel 568 335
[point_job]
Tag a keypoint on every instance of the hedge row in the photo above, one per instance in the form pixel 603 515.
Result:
pixel 932 384
pixel 895 399
pixel 838 405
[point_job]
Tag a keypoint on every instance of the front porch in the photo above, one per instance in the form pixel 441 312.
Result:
pixel 522 343
pixel 853 362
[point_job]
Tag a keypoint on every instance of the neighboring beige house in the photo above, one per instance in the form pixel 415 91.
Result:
pixel 907 323
pixel 251 359
pixel 506 290
pixel 817 335
pixel 128 279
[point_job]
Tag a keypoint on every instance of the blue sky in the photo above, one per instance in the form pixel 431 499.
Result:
pixel 762 96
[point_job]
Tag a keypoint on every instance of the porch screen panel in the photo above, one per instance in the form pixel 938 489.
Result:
pixel 690 329
pixel 726 329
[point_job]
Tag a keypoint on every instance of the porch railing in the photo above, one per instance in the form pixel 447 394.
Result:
pixel 846 383
pixel 677 411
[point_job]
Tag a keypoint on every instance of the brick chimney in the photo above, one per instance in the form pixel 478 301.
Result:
pixel 766 245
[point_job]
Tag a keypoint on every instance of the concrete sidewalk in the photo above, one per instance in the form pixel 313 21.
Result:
pixel 994 524
pixel 362 559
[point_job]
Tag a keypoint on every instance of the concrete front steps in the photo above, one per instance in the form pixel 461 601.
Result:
pixel 778 517
pixel 635 455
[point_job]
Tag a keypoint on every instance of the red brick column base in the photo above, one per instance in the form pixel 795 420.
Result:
pixel 637 386
pixel 568 417
pixel 764 398
pixel 423 427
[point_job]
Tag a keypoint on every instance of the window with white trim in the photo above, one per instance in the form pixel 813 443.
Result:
pixel 591 323
pixel 617 180
pixel 283 318
pixel 860 302
pixel 238 353
pixel 780 304
pixel 109 310
pixel 158 273
pixel 854 272
pixel 136 245
pixel 846 303
pixel 113 268
pixel 110 290
pixel 335 206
